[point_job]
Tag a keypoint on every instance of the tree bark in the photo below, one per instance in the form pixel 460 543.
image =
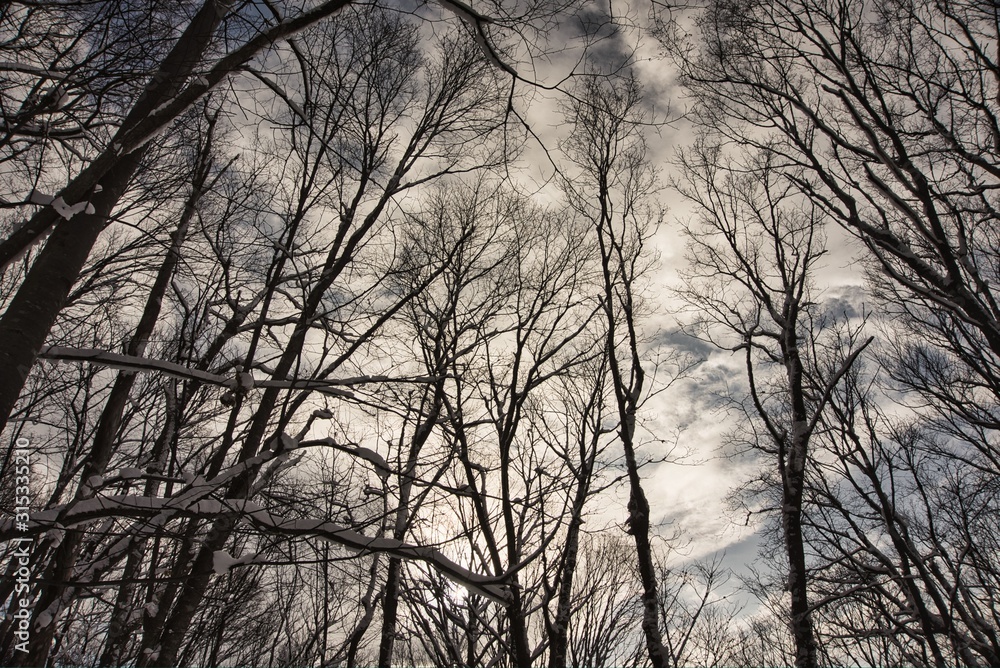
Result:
pixel 793 483
pixel 33 310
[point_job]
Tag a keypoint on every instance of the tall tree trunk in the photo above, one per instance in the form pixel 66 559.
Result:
pixel 612 154
pixel 791 519
pixel 559 629
pixel 628 391
pixel 518 627
pixel 638 526
pixel 793 483
pixel 33 310
pixel 390 608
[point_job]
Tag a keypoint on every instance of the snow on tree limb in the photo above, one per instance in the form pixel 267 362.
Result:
pixel 193 501
pixel 243 380
pixel 476 21
pixel 99 507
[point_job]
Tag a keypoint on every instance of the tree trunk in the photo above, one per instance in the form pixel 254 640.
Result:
pixel 33 310
pixel 390 608
pixel 793 483
pixel 559 630
pixel 791 520
pixel 638 526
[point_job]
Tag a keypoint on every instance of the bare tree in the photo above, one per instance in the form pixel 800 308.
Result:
pixel 221 38
pixel 606 610
pixel 182 77
pixel 885 117
pixel 697 618
pixel 340 166
pixel 753 255
pixel 614 193
pixel 906 540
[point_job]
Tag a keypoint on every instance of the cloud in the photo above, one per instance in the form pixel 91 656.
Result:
pixel 685 343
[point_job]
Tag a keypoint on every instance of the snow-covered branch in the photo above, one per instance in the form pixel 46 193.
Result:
pixel 242 380
pixel 188 504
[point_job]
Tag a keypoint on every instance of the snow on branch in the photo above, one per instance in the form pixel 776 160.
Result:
pixel 88 510
pixel 243 380
pixel 476 21
pixel 43 72
pixel 382 468
pixel 132 363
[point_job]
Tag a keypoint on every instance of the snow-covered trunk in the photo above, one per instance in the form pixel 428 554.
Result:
pixel 60 570
pixel 43 293
pixel 793 484
pixel 58 576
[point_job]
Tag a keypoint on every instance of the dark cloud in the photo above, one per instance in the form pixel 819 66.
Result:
pixel 685 343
